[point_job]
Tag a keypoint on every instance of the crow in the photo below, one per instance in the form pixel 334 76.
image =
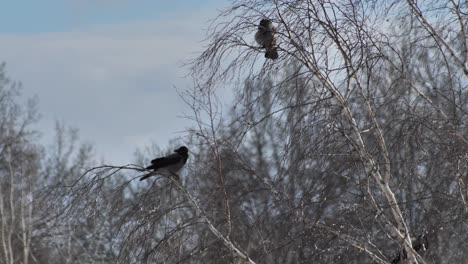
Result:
pixel 265 37
pixel 170 164
pixel 420 245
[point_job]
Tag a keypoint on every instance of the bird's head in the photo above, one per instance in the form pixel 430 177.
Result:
pixel 182 150
pixel 265 24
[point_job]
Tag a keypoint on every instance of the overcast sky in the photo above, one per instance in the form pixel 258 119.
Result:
pixel 106 67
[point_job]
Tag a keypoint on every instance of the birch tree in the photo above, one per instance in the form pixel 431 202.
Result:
pixel 19 165
pixel 364 80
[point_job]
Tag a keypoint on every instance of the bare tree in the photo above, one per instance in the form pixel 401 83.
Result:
pixel 64 240
pixel 350 147
pixel 19 164
pixel 352 56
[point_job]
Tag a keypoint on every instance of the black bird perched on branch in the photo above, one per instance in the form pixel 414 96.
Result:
pixel 170 164
pixel 420 245
pixel 265 37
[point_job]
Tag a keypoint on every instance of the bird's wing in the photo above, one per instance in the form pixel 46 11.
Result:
pixel 166 161
pixel 258 38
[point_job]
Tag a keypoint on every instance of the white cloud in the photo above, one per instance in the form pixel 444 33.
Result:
pixel 113 82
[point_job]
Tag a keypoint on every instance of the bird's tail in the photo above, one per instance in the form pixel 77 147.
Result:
pixel 271 53
pixel 146 176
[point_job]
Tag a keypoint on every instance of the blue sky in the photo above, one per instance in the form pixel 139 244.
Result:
pixel 68 15
pixel 106 67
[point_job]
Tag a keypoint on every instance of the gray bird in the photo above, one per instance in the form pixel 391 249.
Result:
pixel 265 37
pixel 420 245
pixel 170 164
